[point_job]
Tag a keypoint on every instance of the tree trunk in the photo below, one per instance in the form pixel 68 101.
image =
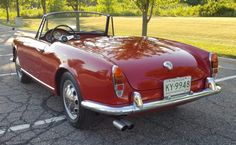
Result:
pixel 7 10
pixel 38 4
pixel 79 5
pixel 145 24
pixel 77 16
pixel 43 2
pixel 17 8
pixel 76 7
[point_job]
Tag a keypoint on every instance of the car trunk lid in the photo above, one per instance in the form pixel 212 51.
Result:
pixel 142 58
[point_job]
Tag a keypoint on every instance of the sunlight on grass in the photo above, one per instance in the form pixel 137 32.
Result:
pixel 212 34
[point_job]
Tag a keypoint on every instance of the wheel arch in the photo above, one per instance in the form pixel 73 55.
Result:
pixel 58 77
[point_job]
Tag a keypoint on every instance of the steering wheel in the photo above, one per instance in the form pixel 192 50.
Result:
pixel 63 37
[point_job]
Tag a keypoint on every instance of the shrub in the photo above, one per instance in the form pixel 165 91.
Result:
pixel 217 9
pixel 32 13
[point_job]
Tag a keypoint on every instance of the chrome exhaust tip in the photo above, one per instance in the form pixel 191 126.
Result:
pixel 129 124
pixel 120 125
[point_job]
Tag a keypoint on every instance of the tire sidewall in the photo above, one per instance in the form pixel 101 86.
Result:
pixel 19 76
pixel 81 112
pixel 23 78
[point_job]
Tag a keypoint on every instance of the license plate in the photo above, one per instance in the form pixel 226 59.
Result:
pixel 177 86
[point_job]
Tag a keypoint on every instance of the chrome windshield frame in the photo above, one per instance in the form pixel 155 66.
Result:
pixel 45 19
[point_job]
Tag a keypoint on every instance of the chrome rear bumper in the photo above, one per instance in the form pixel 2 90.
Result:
pixel 139 106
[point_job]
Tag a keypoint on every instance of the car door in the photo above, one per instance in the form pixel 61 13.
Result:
pixel 29 55
pixel 48 67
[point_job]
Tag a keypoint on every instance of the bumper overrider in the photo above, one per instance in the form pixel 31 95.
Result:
pixel 139 106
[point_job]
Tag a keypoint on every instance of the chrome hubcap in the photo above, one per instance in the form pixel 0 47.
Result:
pixel 18 68
pixel 70 98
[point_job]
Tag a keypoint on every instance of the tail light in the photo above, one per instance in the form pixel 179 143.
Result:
pixel 214 64
pixel 118 81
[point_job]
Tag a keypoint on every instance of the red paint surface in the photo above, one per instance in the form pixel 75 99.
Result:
pixel 90 61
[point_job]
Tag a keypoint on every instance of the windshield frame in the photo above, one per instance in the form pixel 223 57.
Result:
pixel 45 19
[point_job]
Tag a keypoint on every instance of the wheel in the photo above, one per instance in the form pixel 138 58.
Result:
pixel 78 116
pixel 22 77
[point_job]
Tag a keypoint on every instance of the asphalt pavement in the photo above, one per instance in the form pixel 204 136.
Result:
pixel 30 114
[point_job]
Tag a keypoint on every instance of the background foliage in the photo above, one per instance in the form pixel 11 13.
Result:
pixel 33 8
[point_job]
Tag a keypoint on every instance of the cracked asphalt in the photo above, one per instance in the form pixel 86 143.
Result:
pixel 210 121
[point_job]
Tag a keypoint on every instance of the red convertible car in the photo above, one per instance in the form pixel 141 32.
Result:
pixel 77 57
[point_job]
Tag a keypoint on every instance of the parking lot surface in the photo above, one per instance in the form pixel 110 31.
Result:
pixel 30 114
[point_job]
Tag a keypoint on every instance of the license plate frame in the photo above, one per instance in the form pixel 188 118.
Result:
pixel 177 86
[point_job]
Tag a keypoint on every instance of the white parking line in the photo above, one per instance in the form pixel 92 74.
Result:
pixel 230 59
pixel 60 118
pixel 2 131
pixel 5 55
pixel 19 127
pixel 8 74
pixel 37 123
pixel 227 68
pixel 225 78
pixel 47 121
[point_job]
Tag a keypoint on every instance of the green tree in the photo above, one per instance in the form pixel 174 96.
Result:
pixel 17 8
pixel 43 3
pixel 6 4
pixel 56 5
pixel 106 5
pixel 194 2
pixel 146 7
pixel 27 4
pixel 168 4
pixel 75 4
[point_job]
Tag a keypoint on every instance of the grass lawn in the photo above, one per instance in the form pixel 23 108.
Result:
pixel 212 34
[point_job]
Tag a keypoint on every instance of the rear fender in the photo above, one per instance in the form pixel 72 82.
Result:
pixel 61 70
pixel 200 55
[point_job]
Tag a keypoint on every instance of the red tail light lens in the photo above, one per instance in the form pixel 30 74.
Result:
pixel 214 64
pixel 118 81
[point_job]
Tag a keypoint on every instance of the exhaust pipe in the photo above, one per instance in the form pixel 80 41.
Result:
pixel 129 124
pixel 122 125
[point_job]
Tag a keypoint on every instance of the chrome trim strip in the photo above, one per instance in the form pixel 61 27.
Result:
pixel 125 110
pixel 41 82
